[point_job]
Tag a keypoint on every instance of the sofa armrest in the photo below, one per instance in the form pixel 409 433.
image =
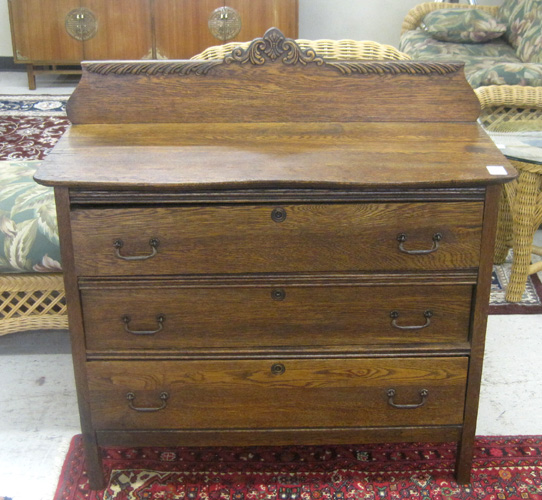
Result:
pixel 415 15
pixel 517 96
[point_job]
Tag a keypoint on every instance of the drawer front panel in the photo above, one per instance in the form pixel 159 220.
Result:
pixel 276 316
pixel 277 394
pixel 267 239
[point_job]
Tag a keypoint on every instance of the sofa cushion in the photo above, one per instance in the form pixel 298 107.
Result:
pixel 462 25
pixel 504 73
pixel 491 63
pixel 28 227
pixel 521 17
pixel 530 43
pixel 419 44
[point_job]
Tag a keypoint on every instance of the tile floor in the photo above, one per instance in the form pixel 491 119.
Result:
pixel 38 408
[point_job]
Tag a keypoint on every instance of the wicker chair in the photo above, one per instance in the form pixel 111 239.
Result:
pixel 32 302
pixel 500 103
pixel 329 49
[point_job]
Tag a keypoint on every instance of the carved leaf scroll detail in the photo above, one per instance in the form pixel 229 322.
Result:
pixel 272 47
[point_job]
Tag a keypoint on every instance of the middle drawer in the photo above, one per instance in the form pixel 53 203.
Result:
pixel 138 319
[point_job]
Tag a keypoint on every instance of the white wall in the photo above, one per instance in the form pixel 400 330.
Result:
pixel 377 20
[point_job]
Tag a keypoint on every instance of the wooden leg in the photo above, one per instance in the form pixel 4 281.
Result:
pixel 93 457
pixel 523 234
pixel 31 77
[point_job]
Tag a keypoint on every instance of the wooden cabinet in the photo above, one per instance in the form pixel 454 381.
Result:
pixel 225 262
pixel 52 33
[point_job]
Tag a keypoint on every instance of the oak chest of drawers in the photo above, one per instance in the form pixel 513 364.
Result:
pixel 275 264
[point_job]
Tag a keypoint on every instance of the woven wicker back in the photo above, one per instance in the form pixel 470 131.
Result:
pixel 329 49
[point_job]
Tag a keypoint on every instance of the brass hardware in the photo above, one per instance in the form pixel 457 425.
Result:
pixel 401 238
pixel 130 396
pixel 81 24
pixel 160 318
pixel 118 244
pixel 278 369
pixel 424 393
pixel 278 214
pixel 278 294
pixel 224 23
pixel 427 315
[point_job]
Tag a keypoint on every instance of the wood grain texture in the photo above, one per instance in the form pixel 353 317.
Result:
pixel 197 157
pixel 181 27
pixel 310 393
pixel 270 93
pixel 279 437
pixel 245 239
pixel 124 30
pixel 253 317
pixel 39 34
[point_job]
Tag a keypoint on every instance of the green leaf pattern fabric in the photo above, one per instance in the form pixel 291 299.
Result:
pixel 28 226
pixel 462 25
pixel 515 59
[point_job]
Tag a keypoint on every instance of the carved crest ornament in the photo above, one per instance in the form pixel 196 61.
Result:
pixel 272 48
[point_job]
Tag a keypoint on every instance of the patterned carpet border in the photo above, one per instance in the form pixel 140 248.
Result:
pixel 33 105
pixel 506 467
pixel 531 301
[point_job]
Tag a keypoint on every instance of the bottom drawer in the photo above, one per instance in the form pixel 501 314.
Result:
pixel 278 394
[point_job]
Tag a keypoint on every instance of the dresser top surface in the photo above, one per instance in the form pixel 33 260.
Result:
pixel 260 155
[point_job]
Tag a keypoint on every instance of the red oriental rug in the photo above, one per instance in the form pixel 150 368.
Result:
pixel 504 468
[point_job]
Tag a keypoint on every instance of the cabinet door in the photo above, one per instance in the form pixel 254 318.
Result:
pixel 181 27
pixel 123 30
pixel 39 32
pixel 257 16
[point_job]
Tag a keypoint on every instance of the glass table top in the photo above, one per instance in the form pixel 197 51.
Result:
pixel 522 146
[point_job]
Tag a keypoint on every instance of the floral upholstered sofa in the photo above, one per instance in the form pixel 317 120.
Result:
pixel 31 287
pixel 501 47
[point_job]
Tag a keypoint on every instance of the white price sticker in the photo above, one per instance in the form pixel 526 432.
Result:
pixel 496 170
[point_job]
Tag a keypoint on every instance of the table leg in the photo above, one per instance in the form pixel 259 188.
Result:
pixel 523 233
pixel 503 239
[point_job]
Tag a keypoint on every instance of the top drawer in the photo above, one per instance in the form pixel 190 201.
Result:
pixel 271 239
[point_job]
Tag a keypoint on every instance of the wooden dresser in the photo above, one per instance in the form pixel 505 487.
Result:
pixel 276 249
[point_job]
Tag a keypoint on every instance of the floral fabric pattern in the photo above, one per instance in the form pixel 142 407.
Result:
pixel 420 45
pixel 462 25
pixel 505 73
pixel 492 63
pixel 518 16
pixel 514 59
pixel 530 43
pixel 28 225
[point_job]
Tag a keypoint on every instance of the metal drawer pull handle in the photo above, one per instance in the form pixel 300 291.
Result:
pixel 395 314
pixel 401 238
pixel 164 396
pixel 424 393
pixel 118 244
pixel 160 318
